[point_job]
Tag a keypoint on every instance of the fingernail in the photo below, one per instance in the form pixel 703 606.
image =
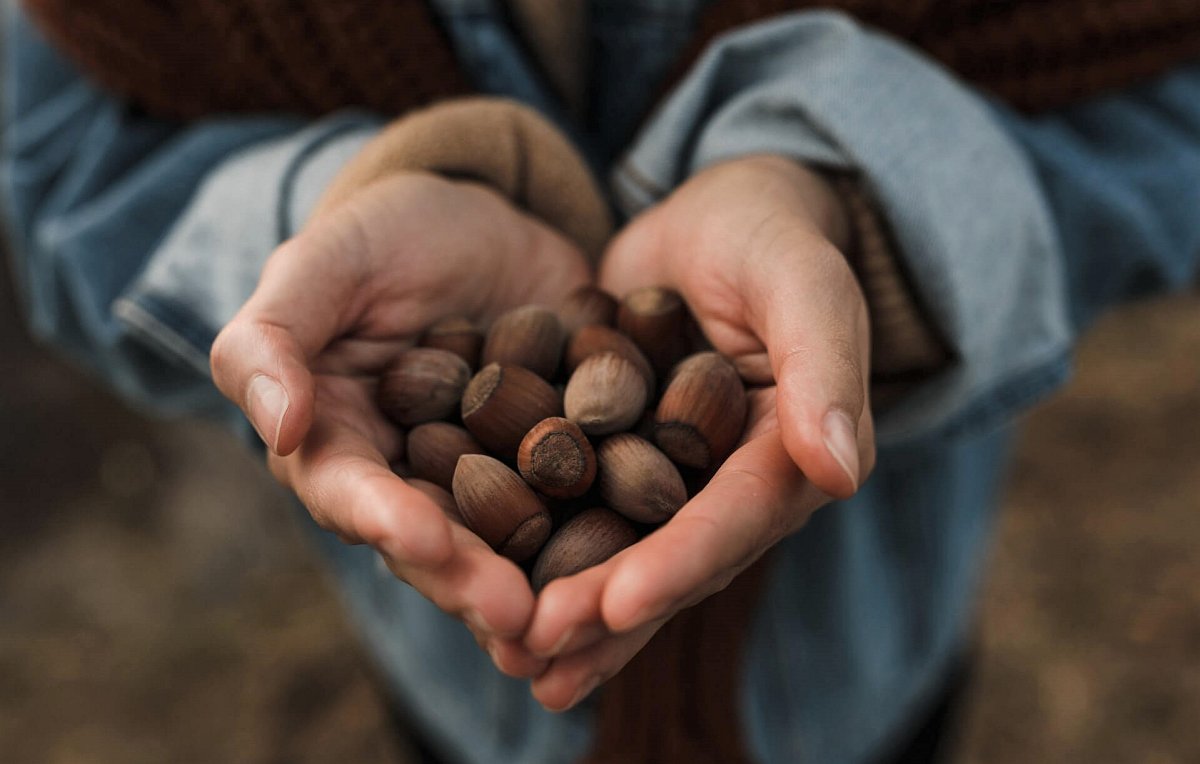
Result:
pixel 557 647
pixel 588 687
pixel 268 402
pixel 478 622
pixel 841 438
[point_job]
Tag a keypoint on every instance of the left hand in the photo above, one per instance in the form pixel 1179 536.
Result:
pixel 754 247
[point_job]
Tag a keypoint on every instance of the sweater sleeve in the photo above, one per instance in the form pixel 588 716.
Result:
pixel 105 207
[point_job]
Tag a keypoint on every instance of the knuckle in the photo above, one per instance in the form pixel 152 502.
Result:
pixel 224 354
pixel 369 526
pixel 288 250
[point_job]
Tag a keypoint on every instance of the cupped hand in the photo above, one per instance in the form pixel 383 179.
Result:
pixel 755 247
pixel 332 307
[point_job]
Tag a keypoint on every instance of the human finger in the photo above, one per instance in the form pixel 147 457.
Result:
pixel 755 499
pixel 571 678
pixel 818 345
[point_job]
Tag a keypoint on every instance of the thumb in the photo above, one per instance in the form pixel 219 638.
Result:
pixel 817 339
pixel 260 360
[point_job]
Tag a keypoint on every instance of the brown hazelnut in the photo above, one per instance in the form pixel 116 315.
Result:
pixel 606 394
pixel 498 506
pixel 588 539
pixel 655 318
pixel 421 385
pixel 456 335
pixel 585 306
pixel 556 458
pixel 440 496
pixel 594 340
pixel 638 480
pixel 502 403
pixel 529 336
pixel 434 448
pixel 702 412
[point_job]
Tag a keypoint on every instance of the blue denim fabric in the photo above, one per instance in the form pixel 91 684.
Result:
pixel 135 240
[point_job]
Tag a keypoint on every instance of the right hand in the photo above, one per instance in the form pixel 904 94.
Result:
pixel 332 307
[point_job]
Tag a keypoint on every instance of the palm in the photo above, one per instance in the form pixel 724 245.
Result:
pixel 333 306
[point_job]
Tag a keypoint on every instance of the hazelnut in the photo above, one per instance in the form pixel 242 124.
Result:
pixel 434 448
pixel 585 306
pixel 502 403
pixel 638 480
pixel 556 458
pixel 655 318
pixel 529 336
pixel 588 539
pixel 498 506
pixel 421 385
pixel 702 412
pixel 595 339
pixel 456 335
pixel 606 394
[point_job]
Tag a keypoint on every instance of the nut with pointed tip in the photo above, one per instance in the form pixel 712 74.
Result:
pixel 586 306
pixel 655 318
pixel 606 394
pixel 586 540
pixel 556 458
pixel 421 385
pixel 456 335
pixel 440 496
pixel 502 403
pixel 702 412
pixel 498 506
pixel 434 448
pixel 638 480
pixel 594 340
pixel 529 336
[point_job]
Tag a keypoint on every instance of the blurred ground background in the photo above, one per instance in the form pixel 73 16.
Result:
pixel 157 603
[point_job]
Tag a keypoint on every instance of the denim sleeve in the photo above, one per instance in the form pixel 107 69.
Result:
pixel 105 206
pixel 1121 175
pixel 971 223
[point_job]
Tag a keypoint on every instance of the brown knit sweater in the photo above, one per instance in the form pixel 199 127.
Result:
pixel 189 58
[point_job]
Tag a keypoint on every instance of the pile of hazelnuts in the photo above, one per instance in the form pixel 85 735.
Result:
pixel 579 432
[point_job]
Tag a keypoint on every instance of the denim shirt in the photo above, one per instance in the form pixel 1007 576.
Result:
pixel 135 240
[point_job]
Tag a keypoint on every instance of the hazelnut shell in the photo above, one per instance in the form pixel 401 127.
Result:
pixel 434 448
pixel 456 335
pixel 586 306
pixel 556 458
pixel 588 539
pixel 702 412
pixel 499 507
pixel 655 318
pixel 422 385
pixel 502 403
pixel 594 340
pixel 529 336
pixel 638 480
pixel 606 394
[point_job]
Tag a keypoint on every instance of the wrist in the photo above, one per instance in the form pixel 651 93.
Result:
pixel 815 195
pixel 824 205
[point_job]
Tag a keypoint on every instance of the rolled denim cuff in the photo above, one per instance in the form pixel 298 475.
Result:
pixel 209 263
